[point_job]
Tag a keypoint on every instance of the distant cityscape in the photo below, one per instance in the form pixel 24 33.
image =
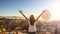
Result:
pixel 11 22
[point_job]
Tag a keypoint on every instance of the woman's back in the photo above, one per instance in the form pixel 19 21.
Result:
pixel 32 28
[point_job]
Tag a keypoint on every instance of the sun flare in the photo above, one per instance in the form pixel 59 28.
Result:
pixel 55 10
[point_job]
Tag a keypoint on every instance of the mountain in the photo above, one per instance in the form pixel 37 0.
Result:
pixel 11 17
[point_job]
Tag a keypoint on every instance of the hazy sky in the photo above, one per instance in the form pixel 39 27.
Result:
pixel 11 7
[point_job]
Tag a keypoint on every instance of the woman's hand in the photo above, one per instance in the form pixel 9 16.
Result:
pixel 23 14
pixel 20 11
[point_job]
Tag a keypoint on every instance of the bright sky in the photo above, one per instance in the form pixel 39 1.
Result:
pixel 11 7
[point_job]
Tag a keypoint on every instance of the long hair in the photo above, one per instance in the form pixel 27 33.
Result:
pixel 32 19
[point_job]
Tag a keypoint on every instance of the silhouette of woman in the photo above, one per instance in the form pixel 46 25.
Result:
pixel 32 22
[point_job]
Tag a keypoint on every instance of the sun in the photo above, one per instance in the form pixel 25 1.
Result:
pixel 55 10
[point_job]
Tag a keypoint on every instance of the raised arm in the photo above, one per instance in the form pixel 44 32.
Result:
pixel 23 14
pixel 40 15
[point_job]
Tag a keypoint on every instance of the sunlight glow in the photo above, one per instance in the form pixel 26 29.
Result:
pixel 55 10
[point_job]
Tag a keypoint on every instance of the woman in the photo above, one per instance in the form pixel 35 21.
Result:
pixel 32 22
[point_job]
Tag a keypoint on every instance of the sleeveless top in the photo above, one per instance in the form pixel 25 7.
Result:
pixel 32 28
